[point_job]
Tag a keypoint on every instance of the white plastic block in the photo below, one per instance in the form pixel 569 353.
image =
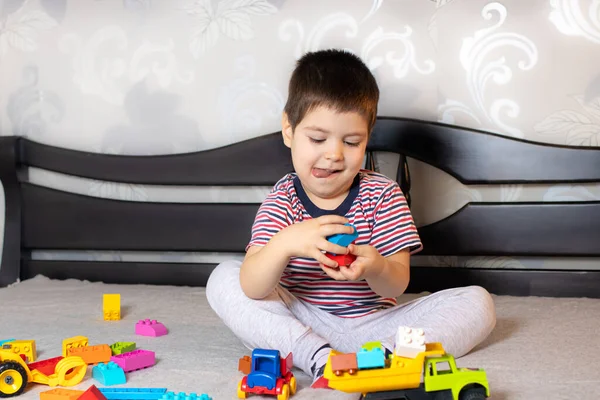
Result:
pixel 409 342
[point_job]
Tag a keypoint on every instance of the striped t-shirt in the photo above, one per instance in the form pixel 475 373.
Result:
pixel 378 209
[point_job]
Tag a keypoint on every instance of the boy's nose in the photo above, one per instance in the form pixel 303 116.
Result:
pixel 334 152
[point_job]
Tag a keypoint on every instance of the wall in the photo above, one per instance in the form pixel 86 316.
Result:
pixel 156 77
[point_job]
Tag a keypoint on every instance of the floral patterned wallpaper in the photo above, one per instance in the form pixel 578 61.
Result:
pixel 172 76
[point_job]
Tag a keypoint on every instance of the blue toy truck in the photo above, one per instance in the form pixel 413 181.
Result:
pixel 269 374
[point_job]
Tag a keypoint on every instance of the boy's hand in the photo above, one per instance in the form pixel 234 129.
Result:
pixel 309 238
pixel 368 263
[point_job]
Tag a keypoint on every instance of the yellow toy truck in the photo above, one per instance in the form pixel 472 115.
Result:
pixel 15 374
pixel 431 374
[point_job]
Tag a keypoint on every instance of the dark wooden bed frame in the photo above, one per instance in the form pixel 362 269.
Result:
pixel 41 218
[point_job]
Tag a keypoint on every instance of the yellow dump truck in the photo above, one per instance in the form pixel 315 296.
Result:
pixel 15 374
pixel 403 377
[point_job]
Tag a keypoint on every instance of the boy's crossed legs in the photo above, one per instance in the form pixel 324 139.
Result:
pixel 459 318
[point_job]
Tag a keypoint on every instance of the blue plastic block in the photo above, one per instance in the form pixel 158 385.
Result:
pixel 109 374
pixel 343 239
pixel 133 393
pixel 183 396
pixel 6 341
pixel 367 359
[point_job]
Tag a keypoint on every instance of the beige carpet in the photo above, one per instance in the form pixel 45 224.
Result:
pixel 542 348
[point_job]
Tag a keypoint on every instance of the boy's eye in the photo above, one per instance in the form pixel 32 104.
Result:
pixel 352 144
pixel 317 140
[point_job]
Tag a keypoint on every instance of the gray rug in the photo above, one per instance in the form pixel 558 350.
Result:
pixel 542 348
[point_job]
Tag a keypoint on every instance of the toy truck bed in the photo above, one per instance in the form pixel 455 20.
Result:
pixel 403 373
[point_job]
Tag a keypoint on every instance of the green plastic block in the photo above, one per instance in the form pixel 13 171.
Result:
pixel 122 347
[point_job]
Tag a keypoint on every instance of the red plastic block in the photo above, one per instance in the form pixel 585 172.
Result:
pixel 150 327
pixel 46 367
pixel 135 360
pixel 92 394
pixel 343 260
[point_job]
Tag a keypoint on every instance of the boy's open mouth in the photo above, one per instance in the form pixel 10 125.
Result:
pixel 324 173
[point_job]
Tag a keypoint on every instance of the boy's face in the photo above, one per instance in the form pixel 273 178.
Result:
pixel 328 150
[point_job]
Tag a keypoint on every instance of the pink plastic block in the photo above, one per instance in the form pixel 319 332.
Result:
pixel 133 360
pixel 150 327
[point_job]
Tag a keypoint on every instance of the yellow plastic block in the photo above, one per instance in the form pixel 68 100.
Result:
pixel 61 394
pixel 73 343
pixel 25 347
pixel 111 307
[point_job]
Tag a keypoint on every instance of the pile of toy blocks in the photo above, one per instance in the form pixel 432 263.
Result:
pixel 110 363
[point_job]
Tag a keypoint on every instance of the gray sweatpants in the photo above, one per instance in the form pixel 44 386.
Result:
pixel 458 318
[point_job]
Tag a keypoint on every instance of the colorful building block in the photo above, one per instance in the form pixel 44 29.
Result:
pixel 92 354
pixel 344 239
pixel 184 396
pixel 5 341
pixel 109 374
pixel 341 363
pixel 135 360
pixel 371 355
pixel 92 394
pixel 409 342
pixel 24 348
pixel 60 394
pixel 122 347
pixel 133 393
pixel 111 307
pixel 150 327
pixel 245 365
pixel 73 343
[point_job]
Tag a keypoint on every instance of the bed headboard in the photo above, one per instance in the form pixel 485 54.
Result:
pixel 43 218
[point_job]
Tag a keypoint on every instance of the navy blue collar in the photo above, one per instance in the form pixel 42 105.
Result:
pixel 315 211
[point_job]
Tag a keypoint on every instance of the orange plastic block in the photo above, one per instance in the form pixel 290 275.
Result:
pixel 61 394
pixel 93 354
pixel 341 363
pixel 245 365
pixel 73 342
pixel 92 394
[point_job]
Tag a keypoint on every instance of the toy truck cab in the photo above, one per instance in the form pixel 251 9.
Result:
pixel 270 374
pixel 441 374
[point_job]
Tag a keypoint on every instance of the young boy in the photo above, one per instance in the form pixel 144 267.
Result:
pixel 287 294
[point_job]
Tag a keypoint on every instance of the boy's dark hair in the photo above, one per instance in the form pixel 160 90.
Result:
pixel 333 78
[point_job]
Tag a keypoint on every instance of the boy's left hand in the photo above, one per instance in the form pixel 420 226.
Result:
pixel 368 263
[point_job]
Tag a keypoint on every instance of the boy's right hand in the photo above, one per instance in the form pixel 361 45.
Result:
pixel 309 238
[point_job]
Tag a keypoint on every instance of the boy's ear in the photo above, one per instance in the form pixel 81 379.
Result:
pixel 286 130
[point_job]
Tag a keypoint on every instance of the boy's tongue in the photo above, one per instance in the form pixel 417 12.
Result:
pixel 321 173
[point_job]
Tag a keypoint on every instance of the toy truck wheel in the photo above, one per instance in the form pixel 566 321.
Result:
pixel 473 393
pixel 241 394
pixel 13 379
pixel 285 393
pixel 293 385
